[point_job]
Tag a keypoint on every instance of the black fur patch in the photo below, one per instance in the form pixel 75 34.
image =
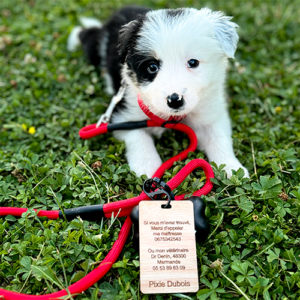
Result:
pixel 90 41
pixel 139 64
pixel 128 36
pixel 175 12
pixel 112 27
pixel 91 38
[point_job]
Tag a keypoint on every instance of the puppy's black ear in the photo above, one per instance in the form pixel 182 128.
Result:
pixel 225 31
pixel 128 36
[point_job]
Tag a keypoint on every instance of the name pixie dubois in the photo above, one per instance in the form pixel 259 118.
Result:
pixel 169 283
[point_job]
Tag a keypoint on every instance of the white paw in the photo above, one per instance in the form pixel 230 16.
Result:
pixel 235 165
pixel 146 166
pixel 141 153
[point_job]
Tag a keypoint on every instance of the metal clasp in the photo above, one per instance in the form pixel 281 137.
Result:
pixel 105 118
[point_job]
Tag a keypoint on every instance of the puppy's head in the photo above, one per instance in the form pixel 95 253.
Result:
pixel 176 58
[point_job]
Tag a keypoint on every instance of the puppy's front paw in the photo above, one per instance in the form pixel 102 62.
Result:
pixel 235 165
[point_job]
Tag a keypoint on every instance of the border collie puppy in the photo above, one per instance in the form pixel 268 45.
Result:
pixel 176 60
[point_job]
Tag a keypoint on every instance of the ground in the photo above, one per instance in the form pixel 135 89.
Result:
pixel 48 94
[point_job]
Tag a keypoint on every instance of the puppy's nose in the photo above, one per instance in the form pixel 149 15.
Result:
pixel 175 101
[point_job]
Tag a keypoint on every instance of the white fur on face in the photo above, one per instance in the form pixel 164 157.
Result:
pixel 173 40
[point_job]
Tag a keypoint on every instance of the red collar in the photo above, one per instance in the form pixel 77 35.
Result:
pixel 173 119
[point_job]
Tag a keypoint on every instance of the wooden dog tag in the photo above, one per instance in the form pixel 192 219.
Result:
pixel 168 258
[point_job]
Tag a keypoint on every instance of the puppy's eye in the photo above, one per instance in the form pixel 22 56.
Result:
pixel 153 68
pixel 193 63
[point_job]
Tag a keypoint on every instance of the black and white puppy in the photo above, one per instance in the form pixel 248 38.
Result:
pixel 176 60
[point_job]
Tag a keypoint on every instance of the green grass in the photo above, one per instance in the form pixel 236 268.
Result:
pixel 255 231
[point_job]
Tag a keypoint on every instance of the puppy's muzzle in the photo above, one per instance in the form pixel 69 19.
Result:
pixel 175 101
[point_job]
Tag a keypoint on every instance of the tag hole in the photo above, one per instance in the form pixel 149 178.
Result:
pixel 164 206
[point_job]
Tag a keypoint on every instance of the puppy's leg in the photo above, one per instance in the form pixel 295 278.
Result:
pixel 215 139
pixel 141 153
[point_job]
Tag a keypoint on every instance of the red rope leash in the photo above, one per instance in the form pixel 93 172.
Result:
pixel 17 212
pixel 122 207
